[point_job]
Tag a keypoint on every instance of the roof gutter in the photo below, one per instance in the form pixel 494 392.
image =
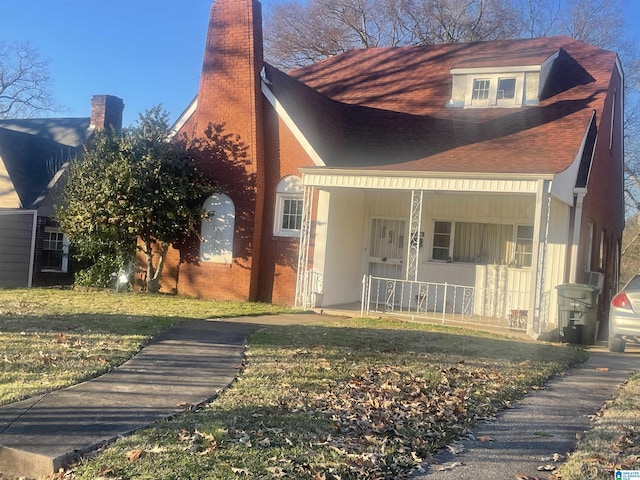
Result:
pixel 424 174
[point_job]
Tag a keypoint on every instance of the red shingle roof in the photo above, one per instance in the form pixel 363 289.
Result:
pixel 386 108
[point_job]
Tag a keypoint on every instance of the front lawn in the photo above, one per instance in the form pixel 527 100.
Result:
pixel 341 399
pixel 52 338
pixel 345 399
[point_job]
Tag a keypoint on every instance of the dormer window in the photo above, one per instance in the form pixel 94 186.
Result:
pixel 506 88
pixel 481 89
pixel 487 87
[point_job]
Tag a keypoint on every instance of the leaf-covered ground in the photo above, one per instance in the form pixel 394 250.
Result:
pixel 359 399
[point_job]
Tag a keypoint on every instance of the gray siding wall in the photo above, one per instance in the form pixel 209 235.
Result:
pixel 16 233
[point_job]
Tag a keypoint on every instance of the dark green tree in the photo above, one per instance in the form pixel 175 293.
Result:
pixel 137 189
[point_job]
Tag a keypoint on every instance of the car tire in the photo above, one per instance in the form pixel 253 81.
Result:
pixel 616 345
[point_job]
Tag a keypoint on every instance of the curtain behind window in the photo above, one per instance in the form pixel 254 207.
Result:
pixel 483 243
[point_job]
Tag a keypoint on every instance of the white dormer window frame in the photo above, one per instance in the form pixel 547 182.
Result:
pixel 487 87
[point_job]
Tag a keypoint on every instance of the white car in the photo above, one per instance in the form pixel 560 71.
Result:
pixel 624 316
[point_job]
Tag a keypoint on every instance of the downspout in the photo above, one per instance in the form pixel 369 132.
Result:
pixel 34 229
pixel 577 227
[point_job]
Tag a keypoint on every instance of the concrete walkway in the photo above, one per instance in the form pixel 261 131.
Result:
pixel 188 364
pixel 192 362
pixel 543 423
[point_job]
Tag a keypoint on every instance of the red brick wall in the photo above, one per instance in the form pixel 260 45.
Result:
pixel 229 93
pixel 603 204
pixel 278 266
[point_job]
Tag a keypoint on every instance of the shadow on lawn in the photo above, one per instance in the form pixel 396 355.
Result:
pixel 382 341
pixel 116 324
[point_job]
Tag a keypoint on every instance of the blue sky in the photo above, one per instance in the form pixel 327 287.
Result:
pixel 146 52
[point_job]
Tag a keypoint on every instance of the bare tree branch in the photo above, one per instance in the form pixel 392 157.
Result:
pixel 24 82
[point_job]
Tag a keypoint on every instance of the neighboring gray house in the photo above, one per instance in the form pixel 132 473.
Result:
pixel 34 154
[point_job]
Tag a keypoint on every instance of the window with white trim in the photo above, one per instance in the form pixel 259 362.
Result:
pixel 55 251
pixel 524 245
pixel 217 229
pixel 441 241
pixel 480 89
pixel 289 207
pixel 483 243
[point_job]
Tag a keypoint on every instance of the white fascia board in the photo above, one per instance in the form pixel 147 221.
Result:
pixel 564 183
pixel 288 121
pixel 427 174
pixel 186 115
pixel 494 70
pixel 432 181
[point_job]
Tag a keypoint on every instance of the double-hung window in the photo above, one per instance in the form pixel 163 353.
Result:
pixel 55 249
pixel 524 245
pixel 480 89
pixel 441 241
pixel 289 207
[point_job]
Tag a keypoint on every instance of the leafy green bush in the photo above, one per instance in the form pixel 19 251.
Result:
pixel 99 274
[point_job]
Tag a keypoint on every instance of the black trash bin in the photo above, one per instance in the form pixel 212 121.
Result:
pixel 577 313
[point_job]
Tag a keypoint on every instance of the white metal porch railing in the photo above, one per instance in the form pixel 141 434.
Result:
pixel 450 303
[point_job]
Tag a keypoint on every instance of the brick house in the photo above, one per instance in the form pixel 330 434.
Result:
pixel 457 179
pixel 34 154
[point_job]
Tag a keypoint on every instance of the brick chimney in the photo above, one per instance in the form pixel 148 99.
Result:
pixel 230 93
pixel 106 112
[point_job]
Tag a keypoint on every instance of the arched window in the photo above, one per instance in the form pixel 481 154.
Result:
pixel 288 215
pixel 217 230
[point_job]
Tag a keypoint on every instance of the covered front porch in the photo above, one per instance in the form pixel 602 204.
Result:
pixel 458 250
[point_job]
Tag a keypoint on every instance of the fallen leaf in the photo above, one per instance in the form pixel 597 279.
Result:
pixel 157 449
pixel 241 471
pixel 449 466
pixel 104 471
pixel 61 338
pixel 485 439
pixel 277 472
pixel 133 455
pixel 546 468
pixel 602 369
pixel 455 448
pixel 265 443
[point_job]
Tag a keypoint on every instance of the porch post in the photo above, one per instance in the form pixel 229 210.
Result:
pixel 540 238
pixel 413 252
pixel 302 277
